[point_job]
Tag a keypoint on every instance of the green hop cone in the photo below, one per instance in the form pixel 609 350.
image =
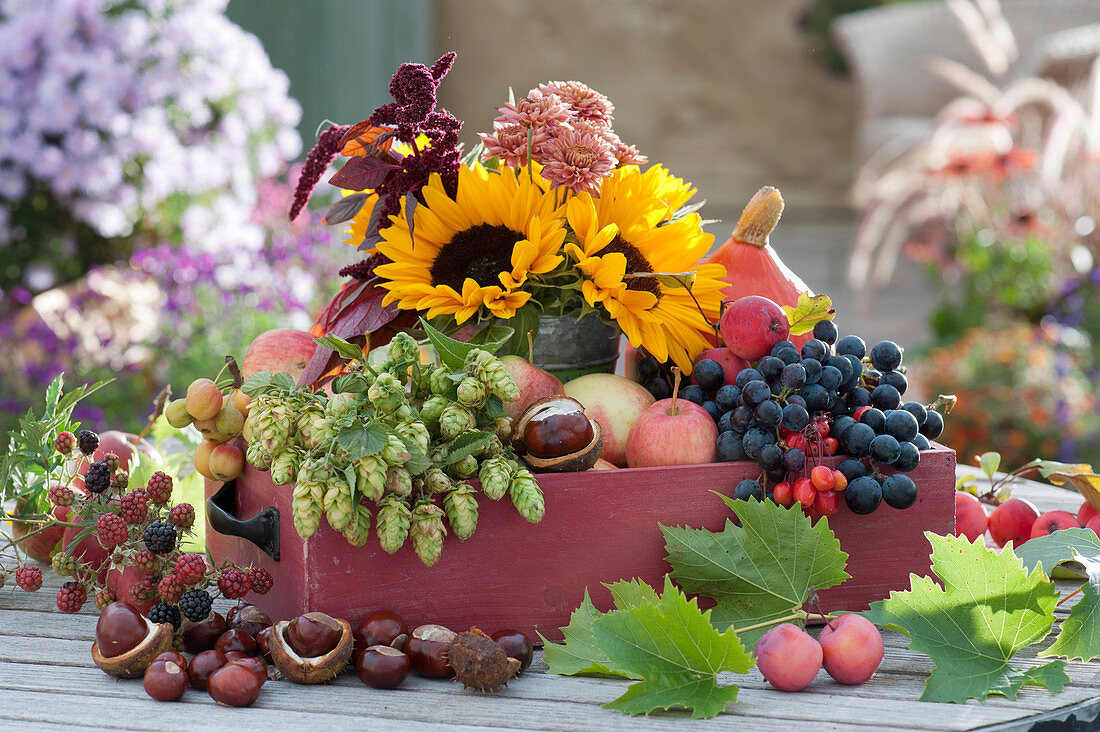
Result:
pixel 341 404
pixel 527 496
pixel 464 468
pixel 416 433
pixel 496 475
pixel 455 420
pixel 399 482
pixel 503 428
pixel 404 413
pixel 440 381
pixel 284 468
pixel 427 532
pixel 258 457
pixel 460 506
pixel 433 409
pixel 492 447
pixel 315 429
pixel 392 523
pixel 436 481
pixel 491 372
pixel 472 393
pixel 307 511
pixel 395 452
pixel 358 529
pixel 404 347
pixel 370 477
pixel 339 502
pixel 274 421
pixel 386 393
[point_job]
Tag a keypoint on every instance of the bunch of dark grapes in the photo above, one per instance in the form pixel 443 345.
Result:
pixel 829 397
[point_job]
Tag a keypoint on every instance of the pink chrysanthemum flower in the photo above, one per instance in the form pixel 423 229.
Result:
pixel 578 160
pixel 509 143
pixel 629 155
pixel 584 101
pixel 624 154
pixel 537 110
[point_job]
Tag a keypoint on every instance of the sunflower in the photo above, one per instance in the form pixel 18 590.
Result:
pixel 629 230
pixel 357 227
pixel 475 252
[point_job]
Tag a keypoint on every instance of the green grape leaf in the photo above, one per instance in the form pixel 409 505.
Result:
pixel 465 445
pixel 452 353
pixel 672 646
pixel 632 593
pixel 810 310
pixel 988 608
pixel 362 441
pixel 759 571
pixel 1079 636
pixel 1046 552
pixel 578 654
pixel 350 351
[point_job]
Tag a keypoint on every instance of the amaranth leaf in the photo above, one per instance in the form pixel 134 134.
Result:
pixel 672 646
pixel 987 610
pixel 761 570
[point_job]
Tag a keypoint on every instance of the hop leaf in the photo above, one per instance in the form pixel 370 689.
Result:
pixel 526 495
pixel 460 506
pixel 428 532
pixel 393 521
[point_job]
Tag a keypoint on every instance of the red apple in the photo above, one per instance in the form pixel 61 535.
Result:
pixel 602 464
pixel 752 325
pixel 1052 521
pixel 1011 522
pixel 970 518
pixel 617 404
pixel 1094 524
pixel 731 362
pixel 1085 513
pixel 281 349
pixel 534 383
pixel 40 546
pixel 672 432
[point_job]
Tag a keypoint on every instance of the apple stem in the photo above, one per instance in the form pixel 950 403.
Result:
pixel 675 386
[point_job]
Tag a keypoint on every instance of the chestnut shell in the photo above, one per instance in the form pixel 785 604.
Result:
pixel 132 663
pixel 311 670
pixel 574 453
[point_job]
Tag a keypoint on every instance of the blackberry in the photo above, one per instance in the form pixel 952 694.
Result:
pixel 160 537
pixel 182 515
pixel 71 597
pixel 98 478
pixel 195 605
pixel 190 568
pixel 162 612
pixel 65 442
pixel 233 583
pixel 159 488
pixel 28 578
pixel 87 441
pixel 134 506
pixel 260 580
pixel 111 529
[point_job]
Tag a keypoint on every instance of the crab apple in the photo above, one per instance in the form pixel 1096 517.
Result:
pixel 1011 522
pixel 204 399
pixel 241 401
pixel 202 458
pixel 788 657
pixel 851 648
pixel 1094 524
pixel 226 462
pixel 1052 521
pixel 970 518
pixel 1085 513
pixel 752 325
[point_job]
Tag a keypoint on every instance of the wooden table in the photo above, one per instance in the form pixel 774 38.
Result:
pixel 48 682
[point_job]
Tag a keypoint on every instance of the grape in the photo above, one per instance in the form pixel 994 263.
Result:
pixel 771 456
pixel 774 475
pixel 899 491
pixel 840 407
pixel 813 370
pixel 863 495
pixel 795 417
pixel 843 365
pixel 874 419
pixel 754 441
pixel 693 394
pixel 712 410
pixel 796 399
pixel 885 397
pixel 901 424
pixel 742 418
pixel 769 414
pixel 769 367
pixel 921 442
pixel 857 440
pixel 658 388
pixel 885 356
pixel 826 331
pixel 755 392
pixel 785 351
pixel 885 449
pixel 851 344
pixel 840 426
pixel 852 469
pixel 859 397
pixel 933 425
pixel 709 374
pixel 649 368
pixel 830 378
pixel 744 376
pixel 817 398
pixel 895 379
pixel 727 397
pixel 776 387
pixel 724 422
pixel 814 349
pixel 917 410
pixel 793 376
pixel 729 447
pixel 908 459
pixel 870 378
pixel 748 489
pixel 794 460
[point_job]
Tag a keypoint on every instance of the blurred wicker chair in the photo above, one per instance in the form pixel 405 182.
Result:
pixel 887 49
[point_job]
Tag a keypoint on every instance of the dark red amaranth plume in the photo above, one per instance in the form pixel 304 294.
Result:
pixel 317 162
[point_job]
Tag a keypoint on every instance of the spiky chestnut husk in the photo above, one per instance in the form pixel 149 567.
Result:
pixel 479 663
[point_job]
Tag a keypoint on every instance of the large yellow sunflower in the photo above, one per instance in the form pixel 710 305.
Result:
pixel 629 230
pixel 475 252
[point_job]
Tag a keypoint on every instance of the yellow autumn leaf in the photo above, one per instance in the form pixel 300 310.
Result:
pixel 811 310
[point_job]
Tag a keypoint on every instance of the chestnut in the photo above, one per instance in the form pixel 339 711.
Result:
pixel 312 635
pixel 203 666
pixel 236 639
pixel 201 636
pixel 248 618
pixel 554 435
pixel 263 643
pixel 174 656
pixel 427 650
pixel 381 628
pixel 382 667
pixel 165 680
pixel 120 629
pixel 517 645
pixel 231 656
pixel 234 685
pixel 254 664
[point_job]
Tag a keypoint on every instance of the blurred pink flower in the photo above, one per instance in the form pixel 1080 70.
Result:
pixel 578 160
pixel 585 102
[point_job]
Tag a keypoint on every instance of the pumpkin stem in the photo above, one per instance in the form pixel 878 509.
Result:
pixel 759 218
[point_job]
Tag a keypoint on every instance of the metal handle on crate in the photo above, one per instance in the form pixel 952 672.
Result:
pixel 262 529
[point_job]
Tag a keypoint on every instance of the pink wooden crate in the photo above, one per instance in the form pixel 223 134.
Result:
pixel 600 526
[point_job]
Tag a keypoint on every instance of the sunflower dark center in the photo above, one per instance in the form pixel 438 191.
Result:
pixel 635 262
pixel 481 252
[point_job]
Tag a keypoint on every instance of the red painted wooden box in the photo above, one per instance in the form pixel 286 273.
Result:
pixel 600 526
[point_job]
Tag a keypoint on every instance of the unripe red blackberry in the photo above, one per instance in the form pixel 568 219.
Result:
pixel 61 495
pixel 87 441
pixel 65 442
pixel 260 580
pixel 103 598
pixel 134 506
pixel 142 592
pixel 146 561
pixel 182 515
pixel 111 529
pixel 190 568
pixel 170 588
pixel 119 481
pixel 112 461
pixel 159 488
pixel 233 583
pixel 28 578
pixel 71 597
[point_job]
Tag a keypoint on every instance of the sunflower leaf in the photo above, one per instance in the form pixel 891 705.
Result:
pixel 811 310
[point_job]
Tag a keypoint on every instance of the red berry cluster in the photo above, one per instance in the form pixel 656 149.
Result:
pixel 65 443
pixel 190 568
pixel 182 515
pixel 233 583
pixel 71 597
pixel 61 495
pixel 134 506
pixel 28 578
pixel 159 488
pixel 260 580
pixel 111 529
